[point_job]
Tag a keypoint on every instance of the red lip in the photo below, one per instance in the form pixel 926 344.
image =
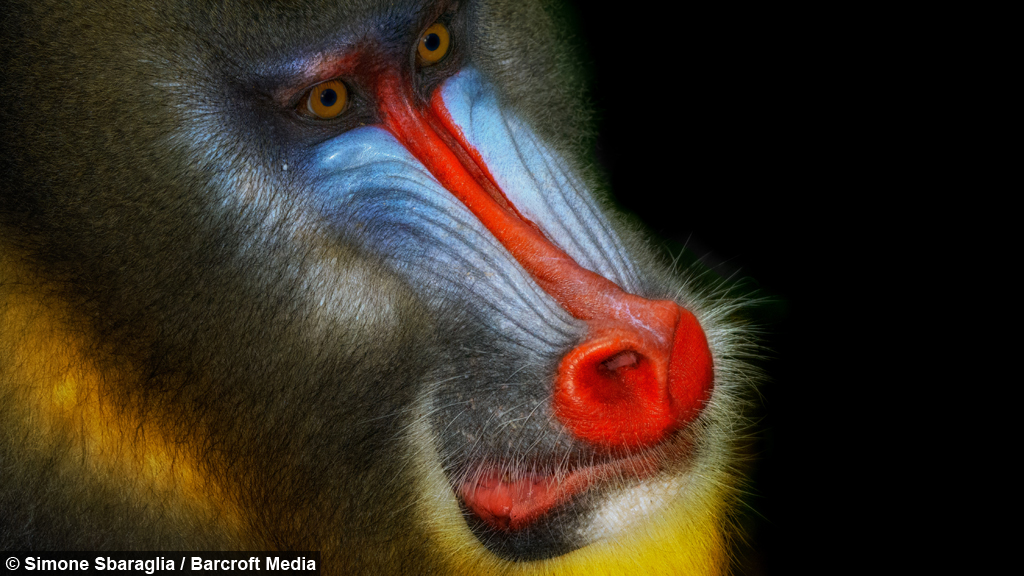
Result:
pixel 513 500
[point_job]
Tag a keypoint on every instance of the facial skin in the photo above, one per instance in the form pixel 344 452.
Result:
pixel 338 277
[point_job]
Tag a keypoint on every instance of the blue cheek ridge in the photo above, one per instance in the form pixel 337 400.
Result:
pixel 367 157
pixel 536 180
pixel 376 194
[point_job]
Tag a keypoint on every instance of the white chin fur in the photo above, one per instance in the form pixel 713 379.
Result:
pixel 627 508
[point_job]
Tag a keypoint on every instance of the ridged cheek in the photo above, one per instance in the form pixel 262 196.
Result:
pixel 535 179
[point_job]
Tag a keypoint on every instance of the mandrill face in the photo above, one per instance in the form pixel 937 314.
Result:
pixel 338 277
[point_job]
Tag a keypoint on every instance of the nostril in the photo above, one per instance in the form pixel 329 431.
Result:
pixel 624 359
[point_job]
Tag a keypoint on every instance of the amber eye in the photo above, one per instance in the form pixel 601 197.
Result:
pixel 433 44
pixel 327 99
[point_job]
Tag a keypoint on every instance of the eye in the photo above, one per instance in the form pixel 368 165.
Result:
pixel 327 99
pixel 433 45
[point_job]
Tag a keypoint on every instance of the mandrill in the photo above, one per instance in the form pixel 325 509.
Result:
pixel 337 276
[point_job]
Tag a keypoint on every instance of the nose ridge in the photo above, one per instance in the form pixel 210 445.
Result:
pixel 644 369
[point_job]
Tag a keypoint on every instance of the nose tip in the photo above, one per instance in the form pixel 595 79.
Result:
pixel 629 386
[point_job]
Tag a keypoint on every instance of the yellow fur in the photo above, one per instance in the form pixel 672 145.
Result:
pixel 63 404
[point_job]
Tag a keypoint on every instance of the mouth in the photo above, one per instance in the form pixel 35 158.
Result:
pixel 509 499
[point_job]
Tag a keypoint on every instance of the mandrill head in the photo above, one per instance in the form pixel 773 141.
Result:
pixel 337 276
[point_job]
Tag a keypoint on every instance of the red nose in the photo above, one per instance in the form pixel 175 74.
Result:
pixel 644 370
